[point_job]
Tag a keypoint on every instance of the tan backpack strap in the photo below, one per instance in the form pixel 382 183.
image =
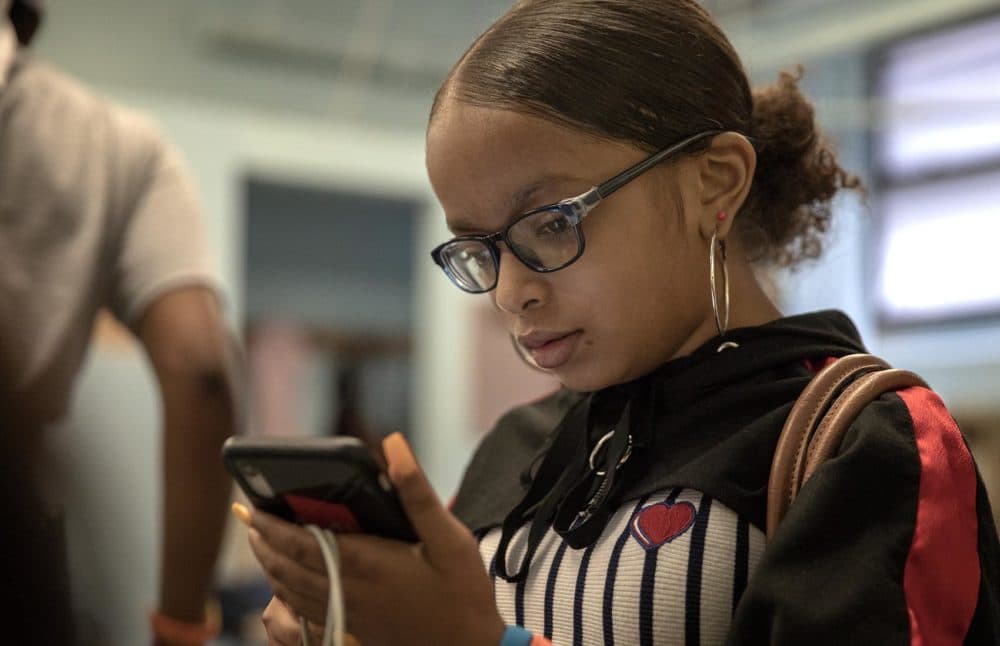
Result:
pixel 788 464
pixel 826 441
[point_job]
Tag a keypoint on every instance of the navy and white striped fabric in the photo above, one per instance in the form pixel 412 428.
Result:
pixel 678 585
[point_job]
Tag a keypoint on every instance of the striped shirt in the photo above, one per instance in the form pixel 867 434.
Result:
pixel 668 569
pixel 892 541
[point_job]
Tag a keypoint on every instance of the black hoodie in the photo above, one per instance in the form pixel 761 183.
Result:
pixel 862 556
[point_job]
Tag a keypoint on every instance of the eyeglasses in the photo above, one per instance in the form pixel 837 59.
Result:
pixel 545 239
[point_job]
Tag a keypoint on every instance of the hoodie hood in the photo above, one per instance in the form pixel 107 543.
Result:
pixel 708 421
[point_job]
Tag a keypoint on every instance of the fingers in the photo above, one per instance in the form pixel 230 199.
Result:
pixel 283 628
pixel 291 560
pixel 315 632
pixel 299 587
pixel 364 557
pixel 281 625
pixel 296 543
pixel 439 531
pixel 365 610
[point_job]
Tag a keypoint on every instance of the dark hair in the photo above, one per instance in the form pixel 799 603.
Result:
pixel 652 72
pixel 26 16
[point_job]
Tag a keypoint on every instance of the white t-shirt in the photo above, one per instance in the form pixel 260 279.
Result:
pixel 96 210
pixel 8 42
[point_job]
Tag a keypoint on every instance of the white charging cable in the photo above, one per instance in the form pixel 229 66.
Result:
pixel 333 631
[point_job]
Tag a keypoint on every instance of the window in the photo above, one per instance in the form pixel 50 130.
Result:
pixel 936 163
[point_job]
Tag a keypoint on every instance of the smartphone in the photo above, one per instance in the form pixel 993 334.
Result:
pixel 332 482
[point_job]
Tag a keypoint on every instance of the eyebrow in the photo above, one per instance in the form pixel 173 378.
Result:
pixel 517 205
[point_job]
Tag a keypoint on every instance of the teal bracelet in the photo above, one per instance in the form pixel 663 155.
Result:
pixel 516 636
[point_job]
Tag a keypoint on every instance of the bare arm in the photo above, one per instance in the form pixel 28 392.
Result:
pixel 184 334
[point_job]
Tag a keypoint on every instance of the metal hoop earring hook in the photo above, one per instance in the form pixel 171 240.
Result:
pixel 721 322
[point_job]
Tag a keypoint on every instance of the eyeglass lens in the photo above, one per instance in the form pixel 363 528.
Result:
pixel 544 241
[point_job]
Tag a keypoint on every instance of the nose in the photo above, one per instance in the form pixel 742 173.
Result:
pixel 518 287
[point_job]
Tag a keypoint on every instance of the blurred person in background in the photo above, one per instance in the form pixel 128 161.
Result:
pixel 35 605
pixel 612 181
pixel 97 210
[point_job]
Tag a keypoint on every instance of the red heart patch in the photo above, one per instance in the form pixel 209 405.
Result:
pixel 661 523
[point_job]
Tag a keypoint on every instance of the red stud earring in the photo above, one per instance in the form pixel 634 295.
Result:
pixel 721 216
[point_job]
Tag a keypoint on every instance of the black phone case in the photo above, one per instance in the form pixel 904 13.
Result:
pixel 329 469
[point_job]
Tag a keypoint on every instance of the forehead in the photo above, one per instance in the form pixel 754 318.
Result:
pixel 483 158
pixel 472 142
pixel 461 127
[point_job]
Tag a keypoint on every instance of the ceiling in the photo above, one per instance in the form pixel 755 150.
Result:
pixel 382 60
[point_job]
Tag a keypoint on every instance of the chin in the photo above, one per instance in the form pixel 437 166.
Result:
pixel 584 380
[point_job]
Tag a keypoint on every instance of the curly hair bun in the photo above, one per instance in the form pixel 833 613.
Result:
pixel 797 174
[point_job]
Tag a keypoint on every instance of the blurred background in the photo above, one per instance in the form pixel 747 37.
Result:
pixel 303 121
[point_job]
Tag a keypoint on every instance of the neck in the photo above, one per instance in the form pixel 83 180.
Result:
pixel 749 304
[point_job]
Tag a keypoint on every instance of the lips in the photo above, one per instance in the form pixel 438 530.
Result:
pixel 550 349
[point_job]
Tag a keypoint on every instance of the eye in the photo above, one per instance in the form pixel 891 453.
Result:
pixel 553 226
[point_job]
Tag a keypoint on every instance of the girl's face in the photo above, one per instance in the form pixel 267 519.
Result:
pixel 639 294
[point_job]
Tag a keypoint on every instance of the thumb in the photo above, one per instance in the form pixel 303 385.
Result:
pixel 439 531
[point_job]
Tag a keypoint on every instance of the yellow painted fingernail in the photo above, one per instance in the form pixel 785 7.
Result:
pixel 242 513
pixel 398 452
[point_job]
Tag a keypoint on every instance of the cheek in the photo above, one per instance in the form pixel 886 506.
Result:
pixel 638 272
pixel 644 294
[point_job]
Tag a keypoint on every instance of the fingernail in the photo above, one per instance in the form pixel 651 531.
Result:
pixel 242 513
pixel 398 452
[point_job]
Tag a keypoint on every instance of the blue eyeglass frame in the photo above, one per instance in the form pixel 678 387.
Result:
pixel 574 209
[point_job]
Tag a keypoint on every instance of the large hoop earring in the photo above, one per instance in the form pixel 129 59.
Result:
pixel 721 322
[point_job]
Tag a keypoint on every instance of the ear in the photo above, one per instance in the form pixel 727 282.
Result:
pixel 725 174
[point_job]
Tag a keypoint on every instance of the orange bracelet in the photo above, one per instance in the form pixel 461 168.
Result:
pixel 167 630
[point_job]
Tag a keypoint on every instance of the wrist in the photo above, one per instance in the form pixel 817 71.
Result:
pixel 518 636
pixel 515 636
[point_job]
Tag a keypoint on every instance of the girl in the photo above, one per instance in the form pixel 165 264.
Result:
pixel 612 182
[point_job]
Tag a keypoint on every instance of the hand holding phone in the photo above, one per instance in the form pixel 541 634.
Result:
pixel 332 482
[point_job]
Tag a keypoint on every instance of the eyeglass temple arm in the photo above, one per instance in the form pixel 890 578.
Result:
pixel 627 175
pixel 582 205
